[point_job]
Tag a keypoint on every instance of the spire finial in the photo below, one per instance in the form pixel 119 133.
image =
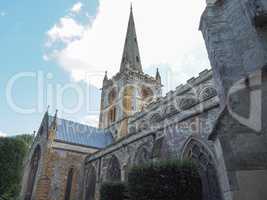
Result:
pixel 106 76
pixel 54 125
pixel 47 111
pixel 158 78
pixel 131 53
pixel 56 113
pixel 131 6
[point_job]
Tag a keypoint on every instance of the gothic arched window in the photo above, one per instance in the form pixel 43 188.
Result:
pixel 114 170
pixel 112 96
pixel 142 156
pixel 112 114
pixel 112 105
pixel 147 94
pixel 186 102
pixel 207 93
pixel 198 153
pixel 32 173
pixel 90 182
pixel 143 125
pixel 155 118
pixel 128 93
pixel 69 184
pixel 169 110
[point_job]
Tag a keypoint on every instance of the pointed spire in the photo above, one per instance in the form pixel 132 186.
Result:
pixel 55 120
pixel 47 110
pixel 158 77
pixel 55 117
pixel 106 76
pixel 46 116
pixel 105 80
pixel 131 55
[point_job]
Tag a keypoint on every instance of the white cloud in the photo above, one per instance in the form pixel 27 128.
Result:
pixel 3 13
pixel 91 120
pixel 76 8
pixel 167 34
pixel 66 30
pixel 2 134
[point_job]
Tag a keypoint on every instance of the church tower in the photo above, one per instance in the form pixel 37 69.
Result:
pixel 130 90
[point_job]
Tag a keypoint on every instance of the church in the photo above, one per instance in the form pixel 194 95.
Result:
pixel 203 120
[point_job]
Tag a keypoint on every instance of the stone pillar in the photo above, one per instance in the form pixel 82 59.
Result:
pixel 237 49
pixel 235 45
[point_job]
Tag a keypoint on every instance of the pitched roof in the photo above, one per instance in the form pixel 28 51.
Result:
pixel 131 56
pixel 81 134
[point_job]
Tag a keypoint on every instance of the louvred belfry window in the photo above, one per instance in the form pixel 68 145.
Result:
pixel 112 114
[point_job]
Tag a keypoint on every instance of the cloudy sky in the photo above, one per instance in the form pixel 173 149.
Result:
pixel 56 52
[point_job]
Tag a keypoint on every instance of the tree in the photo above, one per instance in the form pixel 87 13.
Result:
pixel 12 153
pixel 171 180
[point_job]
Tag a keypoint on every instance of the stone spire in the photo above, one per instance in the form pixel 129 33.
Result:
pixel 158 77
pixel 106 76
pixel 54 125
pixel 105 80
pixel 131 58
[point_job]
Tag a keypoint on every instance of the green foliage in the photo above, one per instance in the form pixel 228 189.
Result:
pixel 12 153
pixel 170 180
pixel 113 191
pixel 26 139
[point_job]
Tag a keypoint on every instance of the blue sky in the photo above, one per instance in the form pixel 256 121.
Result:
pixel 64 40
pixel 23 28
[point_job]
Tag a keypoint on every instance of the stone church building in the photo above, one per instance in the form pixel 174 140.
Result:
pixel 216 119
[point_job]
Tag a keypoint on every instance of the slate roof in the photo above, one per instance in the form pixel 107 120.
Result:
pixel 81 134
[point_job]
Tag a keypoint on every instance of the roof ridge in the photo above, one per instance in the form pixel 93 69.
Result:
pixel 75 122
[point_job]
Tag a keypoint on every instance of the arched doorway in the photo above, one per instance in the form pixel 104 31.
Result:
pixel 90 182
pixel 113 170
pixel 32 173
pixel 201 156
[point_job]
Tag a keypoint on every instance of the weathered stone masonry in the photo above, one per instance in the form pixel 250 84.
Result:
pixel 235 36
pixel 201 120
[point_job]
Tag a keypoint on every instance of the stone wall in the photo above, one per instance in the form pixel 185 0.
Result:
pixel 187 101
pixel 235 34
pixel 236 45
pixel 61 162
pixel 51 179
pixel 56 160
pixel 166 131
pixel 42 141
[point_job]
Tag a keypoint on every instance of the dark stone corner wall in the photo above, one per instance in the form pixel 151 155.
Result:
pixel 235 33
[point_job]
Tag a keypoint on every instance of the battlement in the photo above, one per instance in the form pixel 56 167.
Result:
pixel 131 75
pixel 180 90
